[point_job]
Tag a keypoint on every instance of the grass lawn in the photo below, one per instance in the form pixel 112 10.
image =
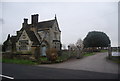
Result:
pixel 18 61
pixel 115 59
pixel 104 51
pixel 43 59
pixel 0 59
pixel 93 53
pixel 89 54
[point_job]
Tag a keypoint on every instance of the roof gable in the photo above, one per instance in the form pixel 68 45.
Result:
pixel 31 36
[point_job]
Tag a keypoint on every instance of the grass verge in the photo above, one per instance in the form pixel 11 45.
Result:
pixel 89 54
pixel 18 61
pixel 104 51
pixel 115 59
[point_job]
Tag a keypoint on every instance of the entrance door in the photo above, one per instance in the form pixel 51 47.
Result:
pixel 43 51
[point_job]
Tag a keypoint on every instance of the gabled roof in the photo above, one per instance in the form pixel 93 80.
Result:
pixel 45 24
pixel 13 39
pixel 18 35
pixel 31 35
pixel 42 25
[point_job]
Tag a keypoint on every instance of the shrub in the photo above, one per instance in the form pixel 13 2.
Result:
pixel 52 54
pixel 43 59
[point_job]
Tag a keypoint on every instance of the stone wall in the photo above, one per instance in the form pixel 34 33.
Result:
pixel 9 55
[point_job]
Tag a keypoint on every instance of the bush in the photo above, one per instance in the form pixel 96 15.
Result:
pixel 43 59
pixel 64 56
pixel 52 54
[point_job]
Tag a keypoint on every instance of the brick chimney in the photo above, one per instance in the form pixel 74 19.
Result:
pixel 25 20
pixel 25 23
pixel 34 19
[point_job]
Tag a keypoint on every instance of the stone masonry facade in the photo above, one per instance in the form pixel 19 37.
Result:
pixel 44 34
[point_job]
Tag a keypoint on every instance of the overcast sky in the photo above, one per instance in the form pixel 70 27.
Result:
pixel 75 19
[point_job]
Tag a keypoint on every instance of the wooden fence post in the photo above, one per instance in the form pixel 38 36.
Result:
pixel 109 51
pixel 69 50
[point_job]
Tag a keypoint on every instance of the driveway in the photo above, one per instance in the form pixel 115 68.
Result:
pixel 96 63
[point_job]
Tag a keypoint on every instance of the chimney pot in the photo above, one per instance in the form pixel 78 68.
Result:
pixel 26 20
pixel 34 19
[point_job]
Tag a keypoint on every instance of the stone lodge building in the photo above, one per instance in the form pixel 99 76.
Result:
pixel 45 34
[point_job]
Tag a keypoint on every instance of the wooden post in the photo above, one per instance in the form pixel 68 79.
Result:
pixel 69 49
pixel 109 51
pixel 37 53
pixel 78 53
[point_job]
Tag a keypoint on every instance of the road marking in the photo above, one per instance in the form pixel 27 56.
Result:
pixel 6 76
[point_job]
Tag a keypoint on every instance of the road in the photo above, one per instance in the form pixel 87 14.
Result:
pixel 19 71
pixel 96 63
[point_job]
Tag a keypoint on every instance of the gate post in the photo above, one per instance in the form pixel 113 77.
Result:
pixel 69 50
pixel 109 51
pixel 37 53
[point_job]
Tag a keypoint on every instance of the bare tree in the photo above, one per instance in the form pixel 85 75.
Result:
pixel 72 46
pixel 63 46
pixel 71 49
pixel 79 45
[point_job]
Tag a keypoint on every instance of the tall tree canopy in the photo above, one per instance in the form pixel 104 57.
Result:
pixel 96 39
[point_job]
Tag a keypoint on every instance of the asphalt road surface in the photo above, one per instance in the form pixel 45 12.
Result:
pixel 18 71
pixel 96 63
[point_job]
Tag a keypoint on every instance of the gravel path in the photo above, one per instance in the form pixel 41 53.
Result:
pixel 97 63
